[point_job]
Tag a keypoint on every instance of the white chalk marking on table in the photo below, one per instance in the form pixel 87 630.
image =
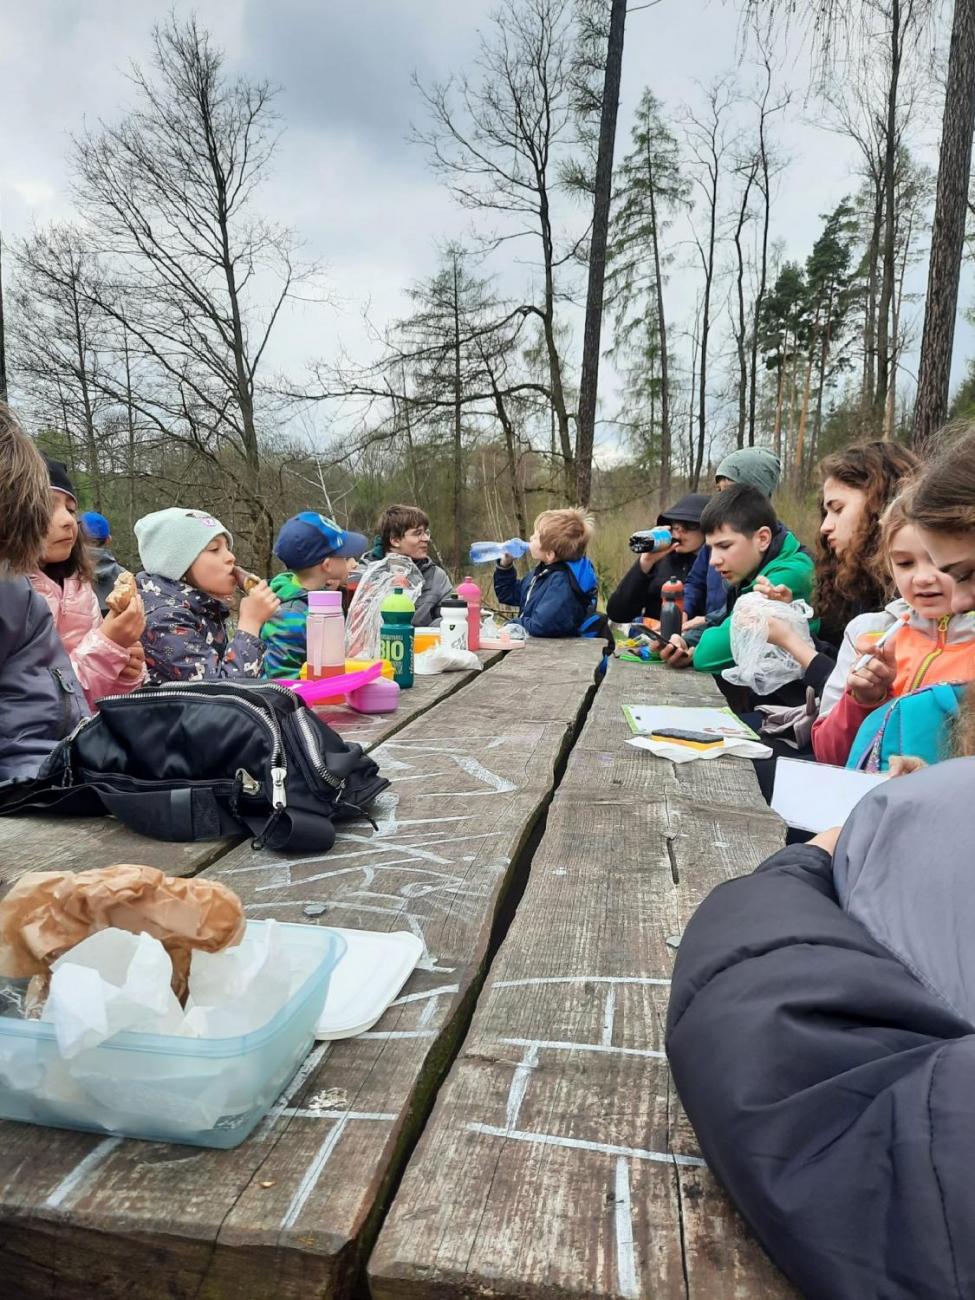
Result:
pixel 519 1085
pixel 300 1077
pixel 440 743
pixel 383 1035
pixel 312 1175
pixel 428 1012
pixel 430 993
pixel 584 1047
pixel 580 1144
pixel 578 979
pixel 96 1156
pixel 625 1255
pixel 609 1015
pixel 309 1112
pixel 469 764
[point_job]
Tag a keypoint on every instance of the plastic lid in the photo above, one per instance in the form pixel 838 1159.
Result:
pixel 324 600
pixel 453 602
pixel 469 588
pixel 398 602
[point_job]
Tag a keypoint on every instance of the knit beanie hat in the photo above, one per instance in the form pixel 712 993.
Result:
pixel 756 466
pixel 170 540
pixel 58 474
pixel 96 526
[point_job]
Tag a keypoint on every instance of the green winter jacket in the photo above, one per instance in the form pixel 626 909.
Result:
pixel 789 565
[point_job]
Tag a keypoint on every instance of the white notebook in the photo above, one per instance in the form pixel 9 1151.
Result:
pixel 816 796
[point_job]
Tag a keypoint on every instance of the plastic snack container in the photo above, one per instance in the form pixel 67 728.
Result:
pixel 209 1092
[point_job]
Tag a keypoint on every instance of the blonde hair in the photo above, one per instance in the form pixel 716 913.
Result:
pixel 566 533
pixel 25 498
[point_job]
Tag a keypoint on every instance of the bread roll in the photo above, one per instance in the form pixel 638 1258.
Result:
pixel 122 593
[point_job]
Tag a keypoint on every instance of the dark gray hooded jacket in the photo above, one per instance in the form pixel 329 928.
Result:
pixel 40 700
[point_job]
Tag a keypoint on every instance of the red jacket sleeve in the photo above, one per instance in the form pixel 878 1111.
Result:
pixel 833 735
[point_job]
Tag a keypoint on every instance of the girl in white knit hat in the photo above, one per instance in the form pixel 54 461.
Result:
pixel 189 577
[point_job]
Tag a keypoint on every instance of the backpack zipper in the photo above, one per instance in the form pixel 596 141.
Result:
pixel 279 772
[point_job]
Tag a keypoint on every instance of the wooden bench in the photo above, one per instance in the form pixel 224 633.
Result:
pixel 557 1161
pixel 295 1209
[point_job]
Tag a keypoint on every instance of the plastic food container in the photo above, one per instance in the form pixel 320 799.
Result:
pixel 425 638
pixel 380 696
pixel 209 1092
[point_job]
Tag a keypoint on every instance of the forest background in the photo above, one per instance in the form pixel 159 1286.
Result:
pixel 165 334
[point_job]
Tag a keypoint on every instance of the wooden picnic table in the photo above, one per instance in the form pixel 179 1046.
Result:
pixel 556 1160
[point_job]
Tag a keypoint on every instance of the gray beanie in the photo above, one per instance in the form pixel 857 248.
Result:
pixel 756 466
pixel 170 540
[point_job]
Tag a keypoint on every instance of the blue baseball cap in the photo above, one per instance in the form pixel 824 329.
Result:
pixel 309 538
pixel 96 526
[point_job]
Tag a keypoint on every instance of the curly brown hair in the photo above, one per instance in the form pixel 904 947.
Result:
pixel 25 498
pixel 849 583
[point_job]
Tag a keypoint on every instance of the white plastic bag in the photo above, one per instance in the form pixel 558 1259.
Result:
pixel 439 659
pixel 365 615
pixel 760 666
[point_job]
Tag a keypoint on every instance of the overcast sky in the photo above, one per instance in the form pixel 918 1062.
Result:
pixel 345 176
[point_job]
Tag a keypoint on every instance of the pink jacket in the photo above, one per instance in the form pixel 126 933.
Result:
pixel 96 660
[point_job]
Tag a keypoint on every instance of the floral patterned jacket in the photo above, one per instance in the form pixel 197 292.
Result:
pixel 186 635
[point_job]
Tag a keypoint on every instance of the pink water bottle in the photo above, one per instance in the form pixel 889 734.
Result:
pixel 325 635
pixel 469 591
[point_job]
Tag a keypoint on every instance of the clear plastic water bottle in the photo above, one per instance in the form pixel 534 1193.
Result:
pixel 485 552
pixel 651 540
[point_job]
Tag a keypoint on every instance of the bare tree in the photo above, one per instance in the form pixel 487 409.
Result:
pixel 948 236
pixel 707 143
pixel 589 381
pixel 497 139
pixel 168 193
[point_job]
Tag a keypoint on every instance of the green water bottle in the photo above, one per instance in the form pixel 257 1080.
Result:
pixel 396 634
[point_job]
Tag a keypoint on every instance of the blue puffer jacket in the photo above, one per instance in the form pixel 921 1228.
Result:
pixel 705 591
pixel 553 600
pixel 40 699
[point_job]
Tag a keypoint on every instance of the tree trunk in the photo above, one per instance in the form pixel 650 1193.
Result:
pixel 890 216
pixel 763 274
pixel 705 332
pixel 560 412
pixel 870 316
pixel 130 423
pixel 665 438
pixel 458 445
pixel 588 384
pixel 948 234
pixel 742 329
pixel 90 443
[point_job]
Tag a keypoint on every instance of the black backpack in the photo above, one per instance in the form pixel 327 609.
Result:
pixel 201 760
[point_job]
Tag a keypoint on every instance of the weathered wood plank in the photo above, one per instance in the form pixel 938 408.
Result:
pixel 555 1163
pixel 290 1213
pixel 36 843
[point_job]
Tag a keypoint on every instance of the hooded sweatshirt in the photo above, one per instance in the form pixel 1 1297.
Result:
pixel 925 652
pixel 553 600
pixel 639 592
pixel 705 592
pixel 107 570
pixel 186 635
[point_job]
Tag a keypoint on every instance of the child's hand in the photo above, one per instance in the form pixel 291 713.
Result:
pixel 771 591
pixel 678 654
pixel 871 684
pixel 257 608
pixel 133 669
pixel 905 764
pixel 126 628
pixel 827 839
pixel 506 560
pixel 649 558
pixel 700 621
